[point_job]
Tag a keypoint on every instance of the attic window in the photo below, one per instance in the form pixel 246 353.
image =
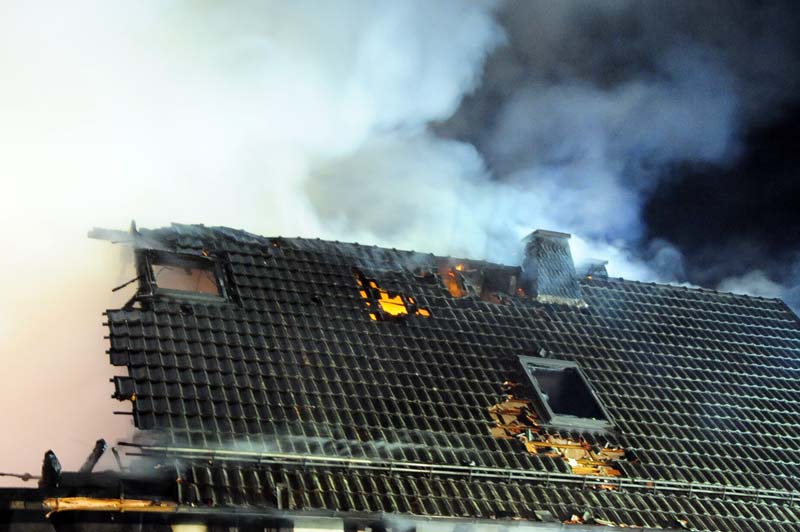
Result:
pixel 565 395
pixel 197 278
pixel 185 276
pixel 386 304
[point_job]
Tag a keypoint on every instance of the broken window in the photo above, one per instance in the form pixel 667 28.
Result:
pixel 386 304
pixel 566 398
pixel 181 275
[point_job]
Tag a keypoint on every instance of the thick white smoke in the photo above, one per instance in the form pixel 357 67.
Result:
pixel 755 282
pixel 571 155
pixel 198 112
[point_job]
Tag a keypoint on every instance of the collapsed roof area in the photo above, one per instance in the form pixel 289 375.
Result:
pixel 295 378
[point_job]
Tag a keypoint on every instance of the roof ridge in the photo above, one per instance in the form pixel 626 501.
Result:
pixel 225 230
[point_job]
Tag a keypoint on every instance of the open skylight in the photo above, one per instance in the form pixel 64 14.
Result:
pixel 565 395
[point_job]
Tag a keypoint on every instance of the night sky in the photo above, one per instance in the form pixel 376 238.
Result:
pixel 730 220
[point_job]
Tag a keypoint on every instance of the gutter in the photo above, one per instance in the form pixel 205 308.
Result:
pixel 485 473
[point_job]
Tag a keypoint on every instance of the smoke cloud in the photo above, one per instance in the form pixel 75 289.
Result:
pixel 184 111
pixel 454 127
pixel 580 116
pixel 594 105
pixel 755 282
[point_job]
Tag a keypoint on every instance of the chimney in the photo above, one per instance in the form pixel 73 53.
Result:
pixel 593 269
pixel 548 272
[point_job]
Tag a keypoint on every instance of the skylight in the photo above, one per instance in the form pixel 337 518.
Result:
pixel 184 276
pixel 565 395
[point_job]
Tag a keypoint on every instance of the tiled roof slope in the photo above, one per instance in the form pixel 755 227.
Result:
pixel 701 386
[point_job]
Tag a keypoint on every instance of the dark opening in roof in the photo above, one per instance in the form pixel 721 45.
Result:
pixel 491 282
pixel 565 394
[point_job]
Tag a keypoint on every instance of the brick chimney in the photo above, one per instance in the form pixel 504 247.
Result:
pixel 548 272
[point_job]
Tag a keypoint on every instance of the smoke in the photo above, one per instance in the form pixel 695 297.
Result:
pixel 755 282
pixel 580 116
pixel 316 446
pixel 454 127
pixel 182 111
pixel 594 105
pixel 406 524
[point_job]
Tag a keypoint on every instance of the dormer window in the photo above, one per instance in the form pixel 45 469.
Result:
pixel 565 397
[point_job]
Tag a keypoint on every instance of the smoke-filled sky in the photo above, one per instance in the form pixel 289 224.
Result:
pixel 662 135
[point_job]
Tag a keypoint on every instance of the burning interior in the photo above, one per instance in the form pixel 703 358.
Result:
pixel 491 283
pixel 384 304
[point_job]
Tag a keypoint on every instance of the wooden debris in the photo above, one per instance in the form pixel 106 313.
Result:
pixel 515 418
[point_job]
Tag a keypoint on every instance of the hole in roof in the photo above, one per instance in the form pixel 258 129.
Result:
pixel 386 304
pixel 517 417
pixel 453 280
pixel 491 282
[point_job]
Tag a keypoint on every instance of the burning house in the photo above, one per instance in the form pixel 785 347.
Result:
pixel 307 384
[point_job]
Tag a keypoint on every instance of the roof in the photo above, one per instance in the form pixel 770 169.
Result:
pixel 298 388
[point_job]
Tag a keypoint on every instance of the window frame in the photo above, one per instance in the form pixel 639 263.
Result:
pixel 564 421
pixel 151 258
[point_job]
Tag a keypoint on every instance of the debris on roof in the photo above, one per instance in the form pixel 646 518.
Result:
pixel 516 418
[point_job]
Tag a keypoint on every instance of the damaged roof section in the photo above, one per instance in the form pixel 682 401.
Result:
pixel 171 268
pixel 290 392
pixel 181 277
pixel 492 283
pixel 386 304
